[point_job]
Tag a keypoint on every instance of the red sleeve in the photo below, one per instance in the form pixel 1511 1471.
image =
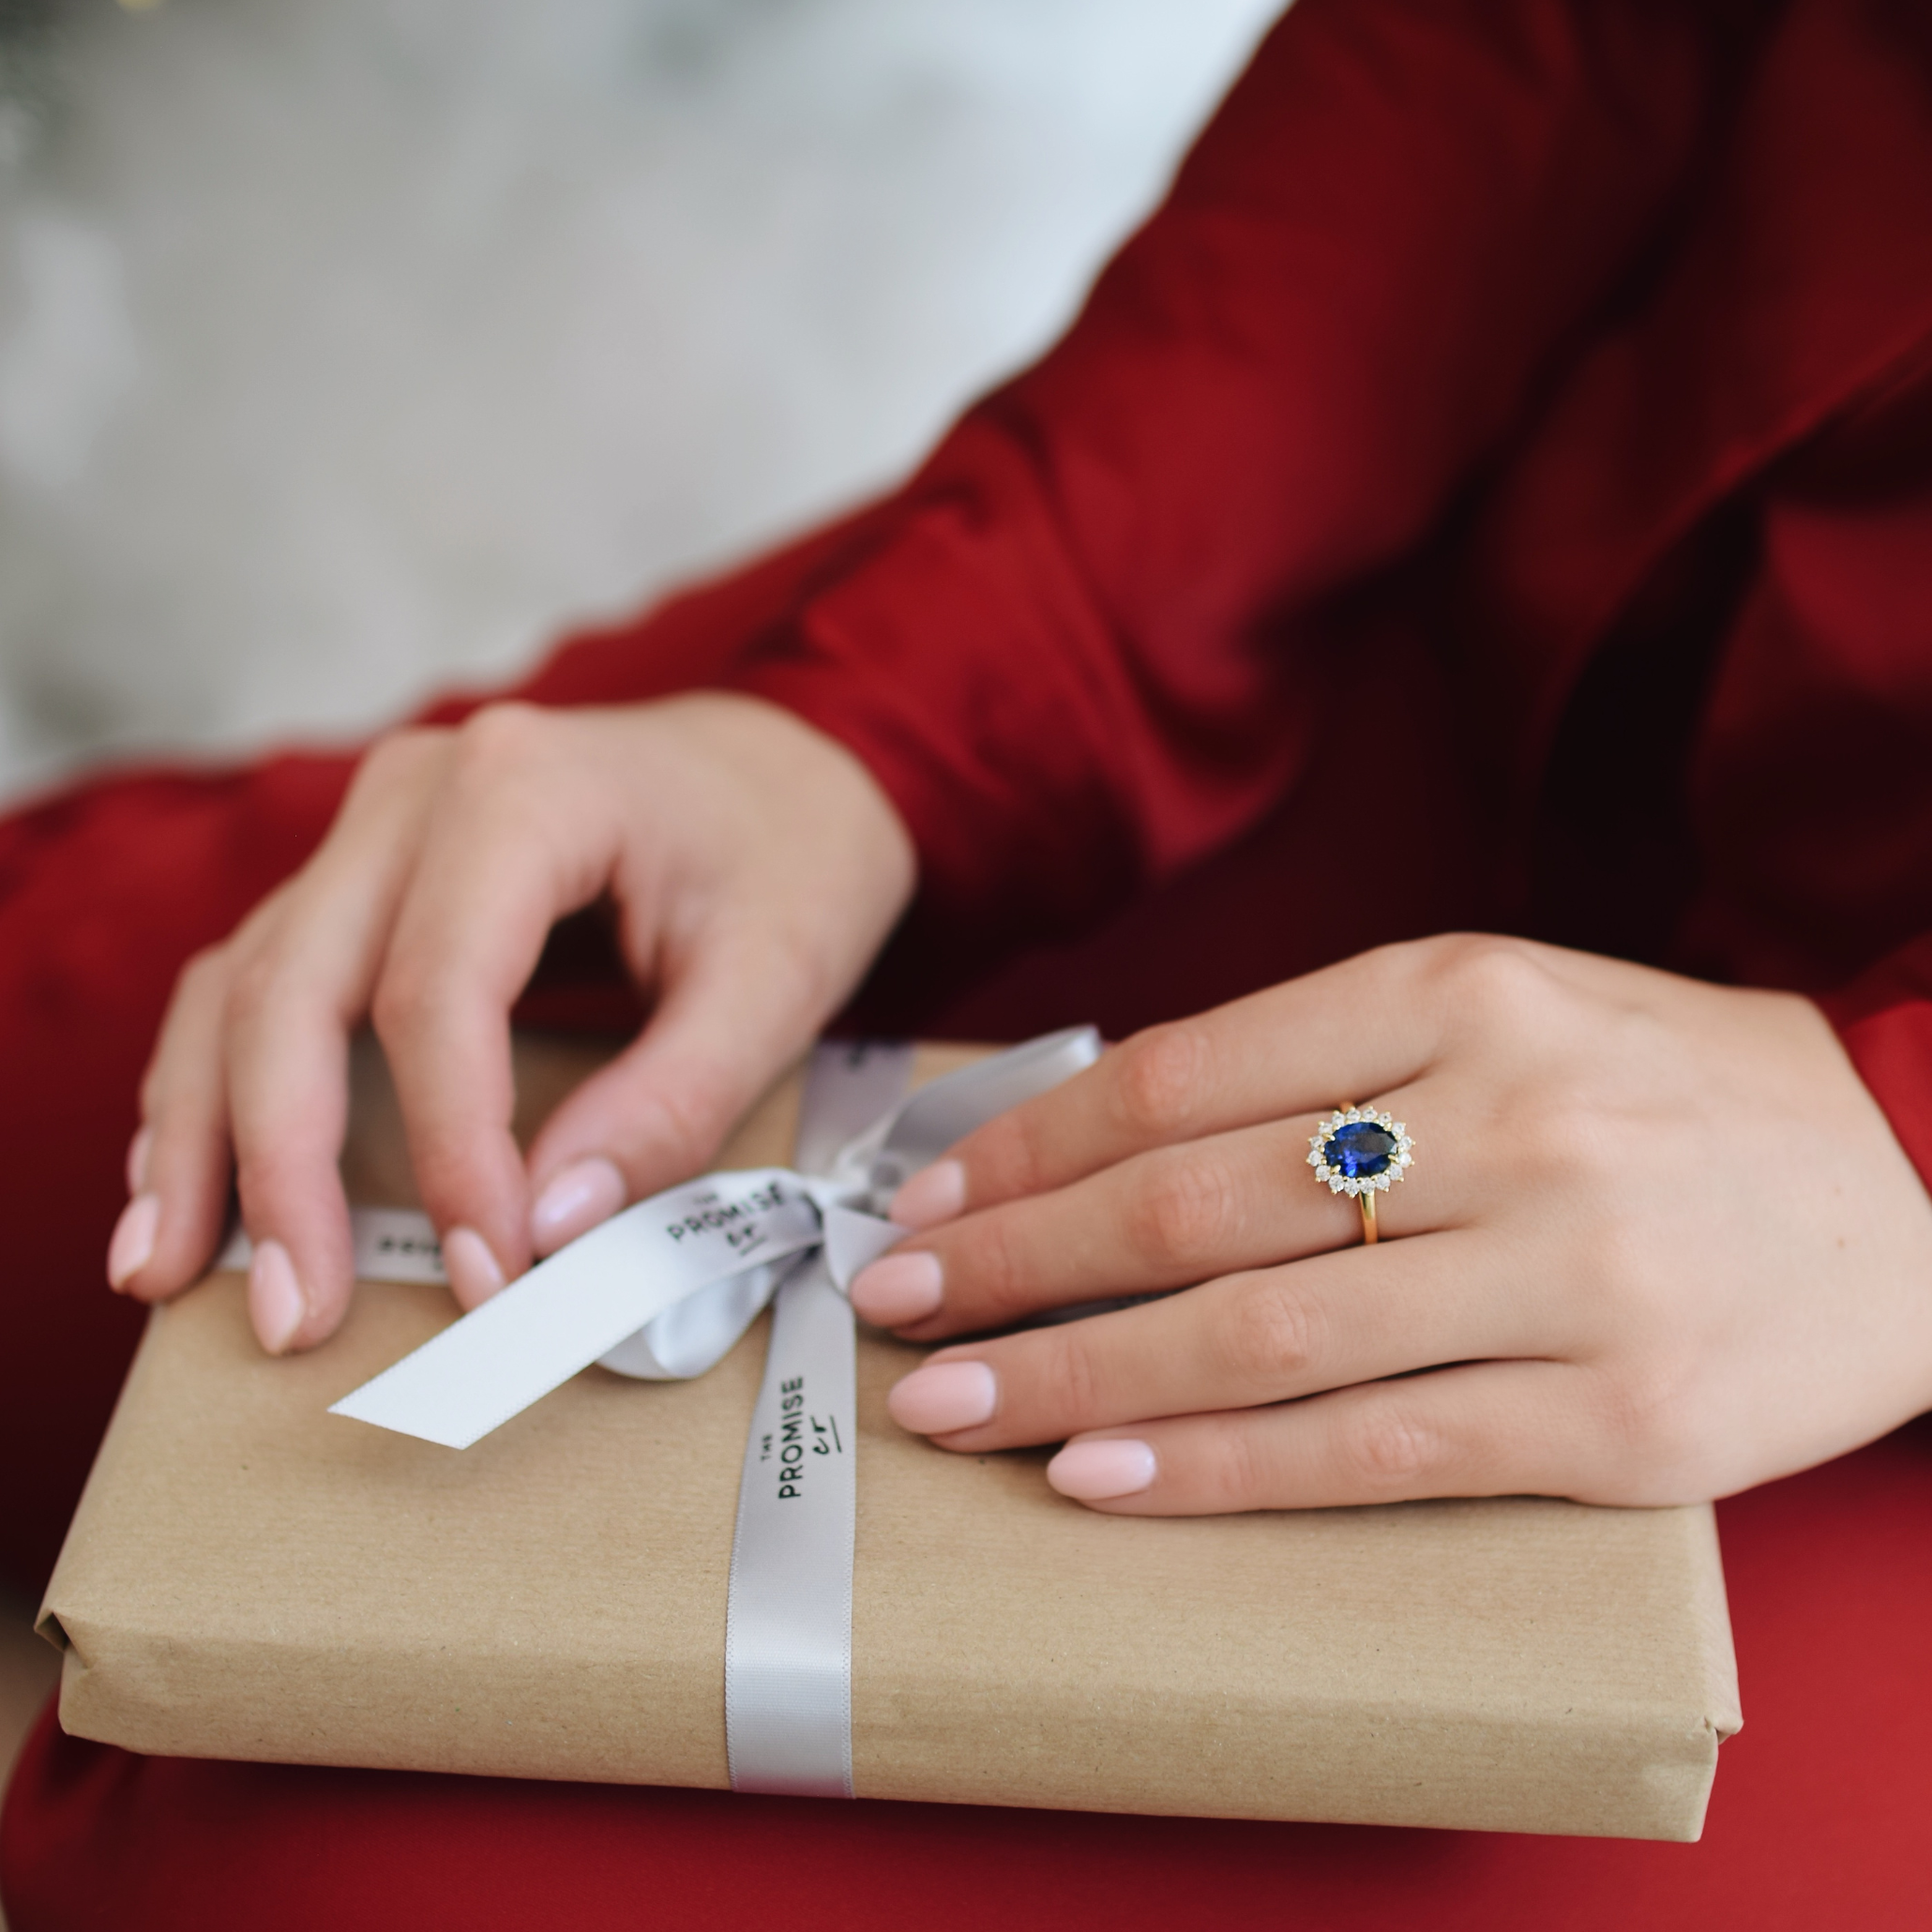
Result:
pixel 1076 648
pixel 1884 1018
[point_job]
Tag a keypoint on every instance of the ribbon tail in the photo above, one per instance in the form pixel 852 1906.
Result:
pixel 788 1625
pixel 584 1301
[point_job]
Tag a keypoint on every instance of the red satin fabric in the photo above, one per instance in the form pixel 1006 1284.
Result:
pixel 1573 362
pixel 1520 413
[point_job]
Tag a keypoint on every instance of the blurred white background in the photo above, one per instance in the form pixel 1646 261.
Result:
pixel 350 347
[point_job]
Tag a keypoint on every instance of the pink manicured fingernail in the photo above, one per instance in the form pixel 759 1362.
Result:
pixel 133 1245
pixel 473 1270
pixel 1093 1472
pixel 933 1195
pixel 138 1150
pixel 276 1304
pixel 575 1200
pixel 897 1289
pixel 945 1395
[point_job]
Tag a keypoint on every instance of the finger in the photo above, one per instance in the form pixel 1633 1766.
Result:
pixel 1156 1220
pixel 727 1021
pixel 1246 1340
pixel 301 981
pixel 178 1209
pixel 1487 1428
pixel 520 836
pixel 1348 1034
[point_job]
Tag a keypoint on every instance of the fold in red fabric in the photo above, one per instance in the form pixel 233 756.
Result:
pixel 1570 365
pixel 1514 434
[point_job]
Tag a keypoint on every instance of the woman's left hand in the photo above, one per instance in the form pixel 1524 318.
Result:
pixel 1657 1243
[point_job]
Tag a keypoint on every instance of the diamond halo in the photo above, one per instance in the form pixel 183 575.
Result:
pixel 1395 1162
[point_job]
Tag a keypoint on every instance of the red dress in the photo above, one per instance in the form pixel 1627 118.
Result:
pixel 1496 489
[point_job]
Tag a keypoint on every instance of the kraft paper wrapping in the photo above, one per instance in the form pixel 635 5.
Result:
pixel 247 1577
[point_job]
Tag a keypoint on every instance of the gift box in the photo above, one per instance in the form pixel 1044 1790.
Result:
pixel 249 1577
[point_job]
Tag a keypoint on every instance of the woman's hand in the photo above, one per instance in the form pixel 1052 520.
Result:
pixel 754 867
pixel 1658 1244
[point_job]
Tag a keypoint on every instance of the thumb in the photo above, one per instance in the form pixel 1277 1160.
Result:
pixel 658 1114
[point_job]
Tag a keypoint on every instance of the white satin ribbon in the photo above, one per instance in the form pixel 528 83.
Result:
pixel 662 1292
pixel 788 1620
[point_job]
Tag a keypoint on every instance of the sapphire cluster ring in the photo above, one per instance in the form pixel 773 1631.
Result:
pixel 1361 1153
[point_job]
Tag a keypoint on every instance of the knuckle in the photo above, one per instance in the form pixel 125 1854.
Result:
pixel 1269 1335
pixel 401 996
pixel 252 986
pixel 1388 1446
pixel 1077 1380
pixel 267 968
pixel 692 1114
pixel 1241 1470
pixel 199 996
pixel 203 976
pixel 662 1124
pixel 1160 1077
pixel 1573 1149
pixel 1487 982
pixel 988 1265
pixel 1012 1155
pixel 266 1173
pixel 1183 1210
pixel 502 736
pixel 398 753
pixel 1656 1431
pixel 264 918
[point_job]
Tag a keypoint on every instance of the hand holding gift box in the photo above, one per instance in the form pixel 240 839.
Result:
pixel 251 1577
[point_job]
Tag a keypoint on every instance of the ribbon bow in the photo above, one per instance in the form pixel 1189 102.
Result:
pixel 662 1291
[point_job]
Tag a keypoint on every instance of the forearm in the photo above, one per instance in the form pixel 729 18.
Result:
pixel 1080 648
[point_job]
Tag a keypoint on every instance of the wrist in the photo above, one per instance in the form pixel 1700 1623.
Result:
pixel 814 854
pixel 801 762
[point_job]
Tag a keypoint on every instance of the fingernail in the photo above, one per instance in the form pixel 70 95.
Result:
pixel 276 1305
pixel 138 1150
pixel 933 1195
pixel 945 1395
pixel 133 1243
pixel 576 1199
pixel 897 1289
pixel 1093 1472
pixel 473 1270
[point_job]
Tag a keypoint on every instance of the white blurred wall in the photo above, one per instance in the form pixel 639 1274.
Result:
pixel 351 346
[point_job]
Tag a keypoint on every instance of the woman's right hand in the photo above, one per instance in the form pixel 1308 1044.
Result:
pixel 754 867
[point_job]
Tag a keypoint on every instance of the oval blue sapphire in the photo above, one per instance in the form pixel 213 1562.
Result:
pixel 1359 1150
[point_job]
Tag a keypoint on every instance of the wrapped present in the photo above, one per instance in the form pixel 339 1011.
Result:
pixel 251 1576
